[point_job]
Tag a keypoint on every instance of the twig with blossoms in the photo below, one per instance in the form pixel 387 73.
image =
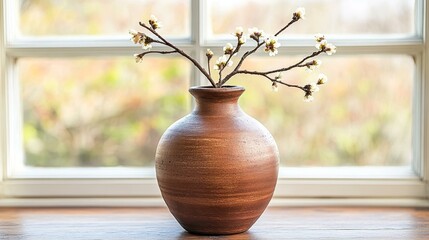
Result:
pixel 153 22
pixel 271 43
pixel 229 51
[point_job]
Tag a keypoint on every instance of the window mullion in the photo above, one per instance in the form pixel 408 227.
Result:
pixel 196 40
pixel 14 126
pixel 44 51
pixel 425 104
pixel 417 112
pixel 10 14
pixel 80 49
pixel 412 49
pixel 419 17
pixel 3 138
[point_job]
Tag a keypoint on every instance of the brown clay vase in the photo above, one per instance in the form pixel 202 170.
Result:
pixel 217 167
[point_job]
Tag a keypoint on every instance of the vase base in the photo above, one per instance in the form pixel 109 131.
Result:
pixel 216 233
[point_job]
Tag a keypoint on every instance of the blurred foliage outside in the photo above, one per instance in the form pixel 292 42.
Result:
pixel 115 113
pixel 325 16
pixel 97 112
pixel 101 17
pixel 361 117
pixel 112 111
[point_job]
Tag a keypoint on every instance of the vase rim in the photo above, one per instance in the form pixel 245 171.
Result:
pixel 226 88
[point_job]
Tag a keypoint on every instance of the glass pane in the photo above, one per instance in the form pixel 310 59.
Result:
pixel 98 17
pixel 361 117
pixel 99 112
pixel 325 16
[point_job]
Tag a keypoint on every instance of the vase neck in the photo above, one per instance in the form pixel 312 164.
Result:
pixel 216 101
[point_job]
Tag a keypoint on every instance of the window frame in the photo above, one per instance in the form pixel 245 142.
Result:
pixel 309 183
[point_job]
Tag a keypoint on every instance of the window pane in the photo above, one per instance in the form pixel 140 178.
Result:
pixel 361 117
pixel 97 112
pixel 96 17
pixel 325 16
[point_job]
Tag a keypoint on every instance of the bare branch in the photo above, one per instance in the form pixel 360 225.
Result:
pixel 156 41
pixel 229 58
pixel 196 64
pixel 289 85
pixel 246 54
pixel 208 64
pixel 271 79
pixel 158 52
pixel 295 65
pixel 285 27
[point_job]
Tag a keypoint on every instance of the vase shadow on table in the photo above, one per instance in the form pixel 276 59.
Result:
pixel 241 236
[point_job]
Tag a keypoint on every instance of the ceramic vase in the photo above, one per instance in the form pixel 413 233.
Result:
pixel 217 167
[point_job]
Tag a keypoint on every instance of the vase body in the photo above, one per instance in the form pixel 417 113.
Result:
pixel 217 167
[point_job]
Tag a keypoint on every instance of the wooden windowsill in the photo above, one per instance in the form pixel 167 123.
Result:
pixel 158 223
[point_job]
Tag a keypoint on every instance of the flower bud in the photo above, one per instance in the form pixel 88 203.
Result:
pixel 239 32
pixel 275 87
pixel 319 37
pixel 330 49
pixel 136 37
pixel 322 79
pixel 153 22
pixel 308 97
pixel 299 14
pixel 322 45
pixel 242 40
pixel 147 43
pixel 256 34
pixel 209 53
pixel 228 49
pixel 138 58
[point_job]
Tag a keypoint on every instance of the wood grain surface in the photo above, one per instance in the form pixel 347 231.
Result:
pixel 158 223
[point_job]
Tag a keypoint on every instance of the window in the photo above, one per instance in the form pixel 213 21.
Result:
pixel 81 119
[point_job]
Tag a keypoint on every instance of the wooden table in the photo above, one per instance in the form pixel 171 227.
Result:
pixel 158 223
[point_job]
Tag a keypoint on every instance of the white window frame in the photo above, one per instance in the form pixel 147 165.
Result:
pixel 136 187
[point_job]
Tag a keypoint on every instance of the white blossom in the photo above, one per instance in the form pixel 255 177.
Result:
pixel 256 33
pixel 314 87
pixel 322 45
pixel 228 49
pixel 319 37
pixel 242 40
pixel 138 58
pixel 308 97
pixel 136 37
pixel 322 79
pixel 221 63
pixel 309 90
pixel 209 53
pixel 274 87
pixel 147 45
pixel 313 64
pixel 271 45
pixel 153 21
pixel 299 13
pixel 238 32
pixel 331 49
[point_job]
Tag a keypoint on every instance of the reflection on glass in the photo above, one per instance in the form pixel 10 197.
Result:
pixel 97 17
pixel 326 16
pixel 361 117
pixel 97 112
